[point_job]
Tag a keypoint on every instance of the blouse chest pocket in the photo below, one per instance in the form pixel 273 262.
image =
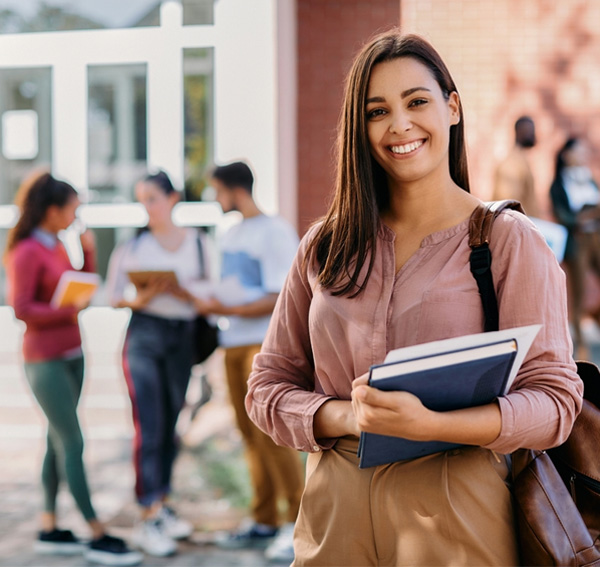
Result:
pixel 446 314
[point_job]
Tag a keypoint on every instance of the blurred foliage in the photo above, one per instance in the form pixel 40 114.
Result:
pixel 196 117
pixel 222 465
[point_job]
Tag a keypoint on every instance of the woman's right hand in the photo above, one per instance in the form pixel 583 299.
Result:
pixel 145 294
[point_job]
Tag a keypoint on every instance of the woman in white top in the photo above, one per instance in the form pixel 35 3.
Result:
pixel 158 351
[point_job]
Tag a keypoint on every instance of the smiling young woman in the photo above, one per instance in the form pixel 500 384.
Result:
pixel 388 267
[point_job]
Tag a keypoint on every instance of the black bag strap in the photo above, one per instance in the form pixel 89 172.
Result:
pixel 480 230
pixel 201 256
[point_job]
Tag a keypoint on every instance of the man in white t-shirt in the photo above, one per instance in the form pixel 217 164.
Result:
pixel 256 256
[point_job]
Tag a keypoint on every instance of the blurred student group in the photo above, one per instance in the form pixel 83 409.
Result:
pixel 153 189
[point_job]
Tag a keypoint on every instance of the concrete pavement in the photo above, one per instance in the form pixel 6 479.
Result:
pixel 106 421
pixel 105 417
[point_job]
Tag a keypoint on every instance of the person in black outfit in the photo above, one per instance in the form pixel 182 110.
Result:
pixel 575 198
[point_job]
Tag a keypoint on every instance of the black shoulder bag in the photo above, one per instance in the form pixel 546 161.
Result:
pixel 206 337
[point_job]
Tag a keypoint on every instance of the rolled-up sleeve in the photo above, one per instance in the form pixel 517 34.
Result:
pixel 540 409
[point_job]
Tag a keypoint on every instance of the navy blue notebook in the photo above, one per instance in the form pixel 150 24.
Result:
pixel 465 378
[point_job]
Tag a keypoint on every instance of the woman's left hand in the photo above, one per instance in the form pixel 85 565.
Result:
pixel 400 414
pixel 88 240
pixel 180 293
pixel 213 306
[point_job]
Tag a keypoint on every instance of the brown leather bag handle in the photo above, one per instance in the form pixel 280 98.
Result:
pixel 480 225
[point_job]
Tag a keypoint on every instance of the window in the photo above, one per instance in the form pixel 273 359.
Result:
pixel 25 126
pixel 197 120
pixel 116 142
pixel 26 16
pixel 116 131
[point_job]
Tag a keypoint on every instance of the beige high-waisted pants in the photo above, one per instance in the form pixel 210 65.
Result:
pixel 451 508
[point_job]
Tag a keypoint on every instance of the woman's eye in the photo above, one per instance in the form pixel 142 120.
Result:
pixel 375 113
pixel 418 102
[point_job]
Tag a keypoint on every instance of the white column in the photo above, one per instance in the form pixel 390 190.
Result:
pixel 165 97
pixel 69 122
pixel 287 131
pixel 245 91
pixel 124 119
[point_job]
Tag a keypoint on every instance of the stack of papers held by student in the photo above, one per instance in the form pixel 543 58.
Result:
pixel 445 375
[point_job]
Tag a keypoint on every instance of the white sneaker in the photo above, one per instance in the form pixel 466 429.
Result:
pixel 150 537
pixel 174 526
pixel 282 548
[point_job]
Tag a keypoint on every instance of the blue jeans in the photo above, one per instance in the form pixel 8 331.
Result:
pixel 157 359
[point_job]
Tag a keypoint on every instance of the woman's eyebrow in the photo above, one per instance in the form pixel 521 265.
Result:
pixel 403 94
pixel 408 92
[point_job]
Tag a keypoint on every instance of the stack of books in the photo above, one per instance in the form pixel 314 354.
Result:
pixel 445 375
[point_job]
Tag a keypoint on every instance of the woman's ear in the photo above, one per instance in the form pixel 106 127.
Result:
pixel 51 214
pixel 454 108
pixel 175 197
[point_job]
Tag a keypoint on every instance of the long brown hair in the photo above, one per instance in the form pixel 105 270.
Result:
pixel 348 231
pixel 35 196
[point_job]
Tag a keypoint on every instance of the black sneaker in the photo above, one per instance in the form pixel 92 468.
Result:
pixel 58 542
pixel 109 550
pixel 253 536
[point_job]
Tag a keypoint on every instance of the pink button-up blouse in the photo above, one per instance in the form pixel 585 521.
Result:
pixel 318 343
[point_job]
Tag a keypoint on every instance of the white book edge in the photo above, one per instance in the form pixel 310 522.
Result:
pixel 394 369
pixel 524 336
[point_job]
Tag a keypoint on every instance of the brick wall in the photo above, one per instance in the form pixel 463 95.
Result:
pixel 329 34
pixel 514 57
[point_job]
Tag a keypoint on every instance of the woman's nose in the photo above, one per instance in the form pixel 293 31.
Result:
pixel 400 122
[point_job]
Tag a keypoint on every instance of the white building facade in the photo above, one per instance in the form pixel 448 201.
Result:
pixel 101 107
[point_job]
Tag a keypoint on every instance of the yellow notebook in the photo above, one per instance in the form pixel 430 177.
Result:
pixel 73 287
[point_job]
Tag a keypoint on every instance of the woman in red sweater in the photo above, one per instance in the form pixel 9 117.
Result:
pixel 35 260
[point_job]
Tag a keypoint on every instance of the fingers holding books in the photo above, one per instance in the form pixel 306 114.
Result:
pixel 202 306
pixel 180 292
pixel 212 306
pixel 145 293
pixel 81 303
pixel 361 381
pixel 149 283
pixel 400 414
